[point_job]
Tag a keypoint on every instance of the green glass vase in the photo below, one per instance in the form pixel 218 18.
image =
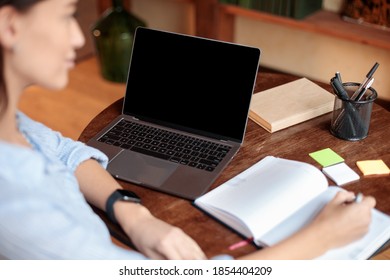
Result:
pixel 113 35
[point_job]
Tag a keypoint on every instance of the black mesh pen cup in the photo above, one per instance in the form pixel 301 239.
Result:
pixel 351 117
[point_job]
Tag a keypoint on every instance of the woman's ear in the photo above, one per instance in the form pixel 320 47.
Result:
pixel 8 21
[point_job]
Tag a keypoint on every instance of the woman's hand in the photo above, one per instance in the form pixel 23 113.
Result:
pixel 342 221
pixel 152 237
pixel 157 239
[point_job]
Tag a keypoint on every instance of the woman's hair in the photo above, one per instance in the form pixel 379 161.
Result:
pixel 20 5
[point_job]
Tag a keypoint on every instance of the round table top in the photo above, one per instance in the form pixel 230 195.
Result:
pixel 295 142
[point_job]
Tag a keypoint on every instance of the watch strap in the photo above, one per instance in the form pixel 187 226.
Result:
pixel 122 195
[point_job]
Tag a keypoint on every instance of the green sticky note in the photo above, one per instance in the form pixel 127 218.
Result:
pixel 326 157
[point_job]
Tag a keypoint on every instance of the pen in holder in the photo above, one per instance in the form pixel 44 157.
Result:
pixel 351 116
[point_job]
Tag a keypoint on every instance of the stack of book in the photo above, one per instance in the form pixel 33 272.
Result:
pixel 289 104
pixel 296 9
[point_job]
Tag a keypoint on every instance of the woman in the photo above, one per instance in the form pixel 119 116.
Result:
pixel 46 179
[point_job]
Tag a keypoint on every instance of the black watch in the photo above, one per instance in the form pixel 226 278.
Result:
pixel 122 195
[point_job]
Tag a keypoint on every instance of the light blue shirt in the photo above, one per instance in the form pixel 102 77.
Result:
pixel 43 214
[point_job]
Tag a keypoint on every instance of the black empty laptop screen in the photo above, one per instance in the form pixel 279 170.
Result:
pixel 188 82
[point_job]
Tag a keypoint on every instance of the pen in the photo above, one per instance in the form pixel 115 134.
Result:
pixel 338 77
pixel 364 89
pixel 339 89
pixel 358 198
pixel 368 77
pixel 240 244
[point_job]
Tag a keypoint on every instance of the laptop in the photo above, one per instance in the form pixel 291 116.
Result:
pixel 184 113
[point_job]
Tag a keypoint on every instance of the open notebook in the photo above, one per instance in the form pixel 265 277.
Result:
pixel 261 204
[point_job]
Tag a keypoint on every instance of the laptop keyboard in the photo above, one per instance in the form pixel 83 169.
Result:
pixel 166 145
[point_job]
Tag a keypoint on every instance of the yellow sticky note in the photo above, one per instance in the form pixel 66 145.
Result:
pixel 373 167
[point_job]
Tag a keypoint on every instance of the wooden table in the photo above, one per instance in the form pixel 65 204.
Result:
pixel 294 143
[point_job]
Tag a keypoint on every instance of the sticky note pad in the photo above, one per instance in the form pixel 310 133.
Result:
pixel 341 173
pixel 326 157
pixel 373 167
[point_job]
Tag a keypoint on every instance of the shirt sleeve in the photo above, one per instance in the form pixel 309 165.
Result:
pixel 69 151
pixel 72 152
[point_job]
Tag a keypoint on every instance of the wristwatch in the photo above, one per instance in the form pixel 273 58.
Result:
pixel 121 195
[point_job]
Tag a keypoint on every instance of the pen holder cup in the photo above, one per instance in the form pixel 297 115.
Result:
pixel 351 118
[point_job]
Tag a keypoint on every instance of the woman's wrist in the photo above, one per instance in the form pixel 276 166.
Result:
pixel 130 215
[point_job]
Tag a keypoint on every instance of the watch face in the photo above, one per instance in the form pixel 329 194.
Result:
pixel 129 196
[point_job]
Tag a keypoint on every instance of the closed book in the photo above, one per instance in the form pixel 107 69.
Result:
pixel 289 104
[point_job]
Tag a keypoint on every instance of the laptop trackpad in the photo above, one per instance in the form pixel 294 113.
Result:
pixel 141 169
